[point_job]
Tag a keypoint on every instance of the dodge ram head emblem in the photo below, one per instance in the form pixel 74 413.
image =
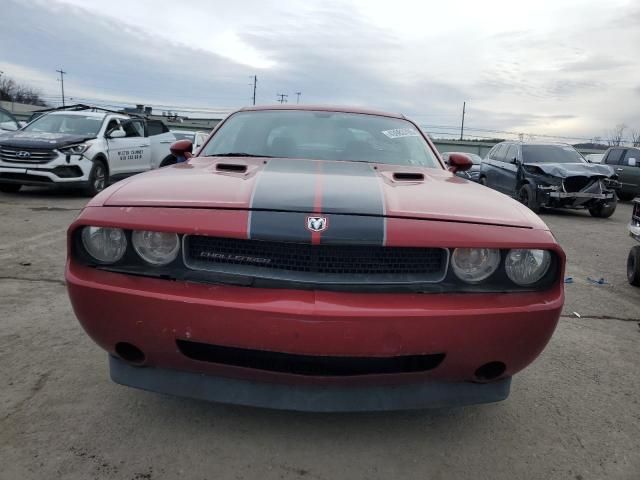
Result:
pixel 317 224
pixel 23 154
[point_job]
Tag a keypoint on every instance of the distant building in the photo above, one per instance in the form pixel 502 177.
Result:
pixel 175 121
pixel 21 111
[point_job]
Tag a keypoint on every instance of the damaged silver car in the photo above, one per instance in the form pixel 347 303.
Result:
pixel 550 175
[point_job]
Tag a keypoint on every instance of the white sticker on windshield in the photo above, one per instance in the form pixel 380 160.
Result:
pixel 400 132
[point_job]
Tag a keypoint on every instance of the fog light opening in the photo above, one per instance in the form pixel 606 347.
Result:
pixel 130 353
pixel 490 371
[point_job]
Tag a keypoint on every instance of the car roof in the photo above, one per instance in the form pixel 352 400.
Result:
pixel 84 114
pixel 323 108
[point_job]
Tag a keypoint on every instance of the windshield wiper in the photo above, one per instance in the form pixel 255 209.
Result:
pixel 239 154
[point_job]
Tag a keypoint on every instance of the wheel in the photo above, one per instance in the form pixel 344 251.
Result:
pixel 604 209
pixel 10 187
pixel 170 160
pixel 633 266
pixel 98 178
pixel 626 197
pixel 527 196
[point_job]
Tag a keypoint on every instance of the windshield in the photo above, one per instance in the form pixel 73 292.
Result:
pixel 551 154
pixel 71 124
pixel 322 136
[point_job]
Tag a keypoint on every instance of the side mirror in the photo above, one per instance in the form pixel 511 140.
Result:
pixel 182 148
pixel 117 133
pixel 10 126
pixel 514 160
pixel 458 162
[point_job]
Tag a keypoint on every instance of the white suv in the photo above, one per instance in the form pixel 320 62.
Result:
pixel 88 148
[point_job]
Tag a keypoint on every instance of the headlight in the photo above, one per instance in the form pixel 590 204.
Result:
pixel 526 267
pixel 106 245
pixel 473 265
pixel 75 149
pixel 156 248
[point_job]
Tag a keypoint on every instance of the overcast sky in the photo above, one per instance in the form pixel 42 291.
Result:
pixel 558 67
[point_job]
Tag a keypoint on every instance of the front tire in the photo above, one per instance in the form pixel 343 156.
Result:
pixel 527 196
pixel 10 187
pixel 626 197
pixel 633 266
pixel 98 178
pixel 604 209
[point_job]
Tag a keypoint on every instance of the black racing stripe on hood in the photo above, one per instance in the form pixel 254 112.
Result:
pixel 350 196
pixel 350 187
pixel 283 184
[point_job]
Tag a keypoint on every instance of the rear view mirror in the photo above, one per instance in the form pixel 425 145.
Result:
pixel 182 148
pixel 459 162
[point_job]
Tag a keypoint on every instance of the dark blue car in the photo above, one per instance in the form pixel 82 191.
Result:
pixel 550 175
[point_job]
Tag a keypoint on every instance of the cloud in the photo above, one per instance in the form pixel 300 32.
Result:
pixel 553 67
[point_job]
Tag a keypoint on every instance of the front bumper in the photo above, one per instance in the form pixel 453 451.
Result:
pixel 634 230
pixel 582 195
pixel 310 398
pixel 470 329
pixel 50 173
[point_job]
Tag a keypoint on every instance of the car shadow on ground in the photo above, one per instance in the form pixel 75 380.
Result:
pixel 572 213
pixel 256 419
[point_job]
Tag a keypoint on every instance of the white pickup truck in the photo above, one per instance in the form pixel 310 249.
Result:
pixel 87 147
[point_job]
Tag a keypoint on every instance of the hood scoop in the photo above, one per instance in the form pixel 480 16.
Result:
pixel 408 176
pixel 231 167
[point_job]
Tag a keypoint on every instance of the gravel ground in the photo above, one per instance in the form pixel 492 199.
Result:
pixel 573 414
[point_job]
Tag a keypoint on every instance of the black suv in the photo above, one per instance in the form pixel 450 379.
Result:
pixel 549 175
pixel 626 162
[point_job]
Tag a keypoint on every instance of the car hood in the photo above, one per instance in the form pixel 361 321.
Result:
pixel 564 170
pixel 326 187
pixel 41 139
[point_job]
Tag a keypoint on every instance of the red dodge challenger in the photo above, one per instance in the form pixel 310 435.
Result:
pixel 319 259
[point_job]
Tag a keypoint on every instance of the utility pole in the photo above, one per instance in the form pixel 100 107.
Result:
pixel 283 97
pixel 298 99
pixel 62 74
pixel 464 105
pixel 255 82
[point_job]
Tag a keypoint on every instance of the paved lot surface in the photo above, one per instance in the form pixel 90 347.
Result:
pixel 573 414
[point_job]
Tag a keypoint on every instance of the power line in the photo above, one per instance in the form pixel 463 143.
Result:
pixel 298 99
pixel 62 74
pixel 283 97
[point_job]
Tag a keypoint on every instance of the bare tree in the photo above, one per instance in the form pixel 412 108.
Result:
pixel 635 137
pixel 615 136
pixel 12 91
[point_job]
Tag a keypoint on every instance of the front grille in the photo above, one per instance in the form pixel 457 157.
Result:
pixel 315 263
pixel 313 365
pixel 19 155
pixel 575 184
